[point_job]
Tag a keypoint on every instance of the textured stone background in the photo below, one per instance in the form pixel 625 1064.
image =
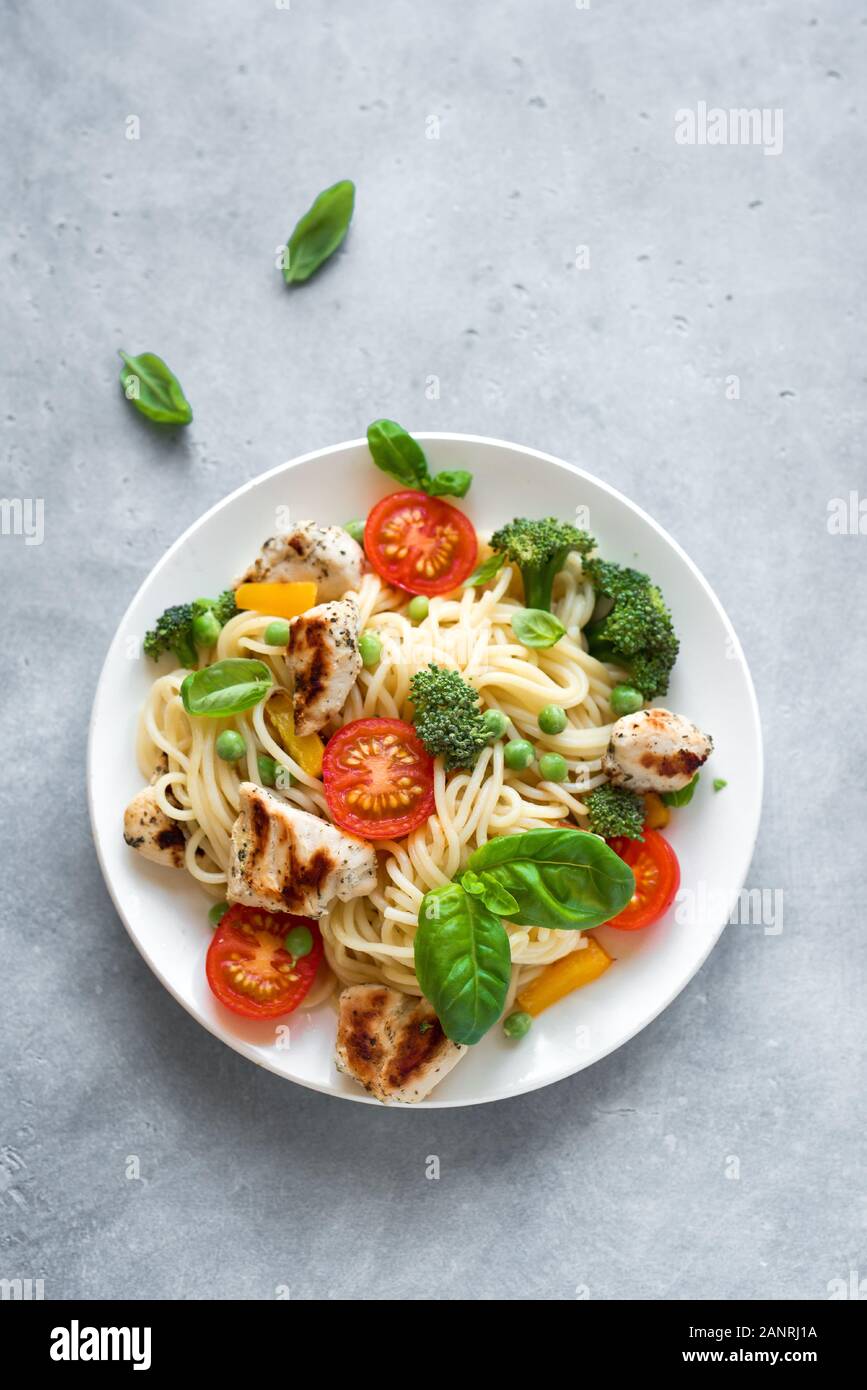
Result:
pixel 556 131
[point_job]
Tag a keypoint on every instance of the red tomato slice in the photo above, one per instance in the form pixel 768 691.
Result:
pixel 248 967
pixel 378 778
pixel 657 879
pixel 420 543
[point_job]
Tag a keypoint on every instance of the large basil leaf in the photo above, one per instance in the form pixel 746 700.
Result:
pixel 565 879
pixel 154 389
pixel 486 570
pixel 394 450
pixel 319 232
pixel 463 962
pixel 397 453
pixel 536 628
pixel 226 687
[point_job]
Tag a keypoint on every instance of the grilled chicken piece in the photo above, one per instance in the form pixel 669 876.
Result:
pixel 392 1043
pixel 147 828
pixel 324 660
pixel 286 860
pixel 655 751
pixel 327 554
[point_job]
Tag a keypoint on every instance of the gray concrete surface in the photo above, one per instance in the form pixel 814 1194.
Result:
pixel 706 263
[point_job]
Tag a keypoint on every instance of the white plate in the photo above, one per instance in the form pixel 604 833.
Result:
pixel 164 911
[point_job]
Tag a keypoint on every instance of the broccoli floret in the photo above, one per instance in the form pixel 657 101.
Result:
pixel 174 628
pixel 615 811
pixel 637 633
pixel 173 633
pixel 539 549
pixel 447 717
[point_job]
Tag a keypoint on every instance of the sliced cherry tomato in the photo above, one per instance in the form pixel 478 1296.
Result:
pixel 657 879
pixel 378 778
pixel 248 967
pixel 420 543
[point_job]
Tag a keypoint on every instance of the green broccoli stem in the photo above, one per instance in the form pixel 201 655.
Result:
pixel 186 652
pixel 539 581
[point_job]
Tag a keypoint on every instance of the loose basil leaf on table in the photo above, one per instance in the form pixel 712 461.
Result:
pixel 394 450
pixel 563 879
pixel 536 628
pixel 319 232
pixel 684 796
pixel 486 570
pixel 463 961
pixel 226 687
pixel 153 389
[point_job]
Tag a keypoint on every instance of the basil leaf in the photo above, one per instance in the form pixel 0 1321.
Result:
pixel 471 883
pixel 463 962
pixel 319 232
pixel 684 796
pixel 497 898
pixel 536 628
pixel 154 389
pixel 486 570
pixel 453 482
pixel 397 453
pixel 565 879
pixel 226 687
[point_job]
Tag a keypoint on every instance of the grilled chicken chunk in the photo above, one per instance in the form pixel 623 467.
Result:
pixel 147 828
pixel 655 751
pixel 392 1043
pixel 286 860
pixel 327 554
pixel 324 660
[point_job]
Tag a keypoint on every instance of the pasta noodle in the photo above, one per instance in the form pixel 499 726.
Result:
pixel 371 939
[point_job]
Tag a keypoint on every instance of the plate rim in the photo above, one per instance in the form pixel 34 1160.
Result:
pixel 246 1049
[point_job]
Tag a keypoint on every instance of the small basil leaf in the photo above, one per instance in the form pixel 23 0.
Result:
pixel 565 879
pixel 471 883
pixel 397 453
pixel 226 687
pixel 497 898
pixel 453 482
pixel 154 389
pixel 684 796
pixel 485 571
pixel 319 232
pixel 537 628
pixel 463 962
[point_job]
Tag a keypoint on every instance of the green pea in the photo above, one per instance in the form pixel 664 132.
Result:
pixel 624 699
pixel 230 746
pixel 370 648
pixel 552 719
pixel 517 1025
pixel 553 768
pixel 495 722
pixel 206 629
pixel 518 754
pixel 418 609
pixel 356 530
pixel 268 770
pixel 299 941
pixel 277 633
pixel 217 912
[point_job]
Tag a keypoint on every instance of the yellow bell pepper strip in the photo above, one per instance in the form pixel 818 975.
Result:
pixel 656 813
pixel 562 976
pixel 277 600
pixel 306 749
